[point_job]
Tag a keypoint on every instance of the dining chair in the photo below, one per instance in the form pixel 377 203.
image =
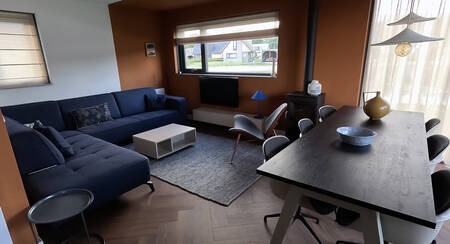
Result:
pixel 243 125
pixel 430 125
pixel 270 148
pixel 396 230
pixel 305 125
pixel 326 111
pixel 437 145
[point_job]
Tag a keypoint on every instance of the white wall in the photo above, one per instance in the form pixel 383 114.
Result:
pixel 78 45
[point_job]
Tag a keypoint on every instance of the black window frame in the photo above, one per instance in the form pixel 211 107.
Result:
pixel 183 70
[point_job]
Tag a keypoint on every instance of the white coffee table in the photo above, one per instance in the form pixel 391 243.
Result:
pixel 164 140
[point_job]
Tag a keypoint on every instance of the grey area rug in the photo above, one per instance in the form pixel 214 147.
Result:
pixel 205 169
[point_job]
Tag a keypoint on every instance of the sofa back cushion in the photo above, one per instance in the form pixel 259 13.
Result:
pixel 69 105
pixel 133 101
pixel 32 150
pixel 47 112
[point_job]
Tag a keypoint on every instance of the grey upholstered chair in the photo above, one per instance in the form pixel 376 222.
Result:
pixel 430 125
pixel 437 145
pixel 305 125
pixel 270 148
pixel 400 231
pixel 326 111
pixel 243 125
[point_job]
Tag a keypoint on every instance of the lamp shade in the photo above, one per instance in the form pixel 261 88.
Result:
pixel 410 19
pixel 258 96
pixel 407 36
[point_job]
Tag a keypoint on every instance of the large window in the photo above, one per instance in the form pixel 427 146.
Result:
pixel 246 45
pixel 21 60
pixel 419 81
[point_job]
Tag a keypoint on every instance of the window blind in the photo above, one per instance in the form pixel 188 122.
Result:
pixel 21 60
pixel 237 28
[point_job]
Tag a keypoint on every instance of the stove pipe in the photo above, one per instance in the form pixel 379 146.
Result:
pixel 310 42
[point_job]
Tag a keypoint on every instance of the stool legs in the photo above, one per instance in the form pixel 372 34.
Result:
pixel 34 233
pixel 85 228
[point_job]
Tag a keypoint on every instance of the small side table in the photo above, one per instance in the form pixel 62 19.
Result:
pixel 60 206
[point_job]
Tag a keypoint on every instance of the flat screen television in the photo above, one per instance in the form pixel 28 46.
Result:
pixel 222 91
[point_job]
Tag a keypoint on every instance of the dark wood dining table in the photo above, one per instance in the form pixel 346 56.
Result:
pixel 389 177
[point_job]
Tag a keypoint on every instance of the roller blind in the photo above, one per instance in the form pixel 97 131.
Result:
pixel 21 60
pixel 237 28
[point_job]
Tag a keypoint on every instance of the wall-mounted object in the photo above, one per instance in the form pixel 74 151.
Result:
pixel 150 49
pixel 407 36
pixel 161 91
pixel 222 91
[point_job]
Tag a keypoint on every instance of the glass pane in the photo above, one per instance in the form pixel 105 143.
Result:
pixel 258 56
pixel 192 56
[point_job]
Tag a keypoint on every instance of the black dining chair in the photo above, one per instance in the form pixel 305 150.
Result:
pixel 305 125
pixel 326 111
pixel 270 148
pixel 437 145
pixel 400 231
pixel 430 125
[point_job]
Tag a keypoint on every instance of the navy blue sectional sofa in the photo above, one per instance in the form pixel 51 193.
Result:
pixel 98 164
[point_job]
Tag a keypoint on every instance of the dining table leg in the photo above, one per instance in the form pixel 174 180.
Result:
pixel 371 224
pixel 287 213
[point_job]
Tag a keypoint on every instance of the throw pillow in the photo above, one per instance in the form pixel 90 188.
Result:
pixel 34 125
pixel 57 139
pixel 92 115
pixel 157 102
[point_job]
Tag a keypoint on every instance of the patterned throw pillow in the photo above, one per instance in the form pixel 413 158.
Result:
pixel 34 125
pixel 92 115
pixel 157 102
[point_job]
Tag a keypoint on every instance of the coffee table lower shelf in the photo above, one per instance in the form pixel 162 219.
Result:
pixel 150 143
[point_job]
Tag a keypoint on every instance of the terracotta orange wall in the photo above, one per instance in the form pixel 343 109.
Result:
pixel 292 36
pixel 132 28
pixel 340 47
pixel 13 200
pixel 341 39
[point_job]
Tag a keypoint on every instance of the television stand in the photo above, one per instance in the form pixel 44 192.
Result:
pixel 221 117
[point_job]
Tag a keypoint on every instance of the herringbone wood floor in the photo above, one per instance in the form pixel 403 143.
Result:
pixel 171 215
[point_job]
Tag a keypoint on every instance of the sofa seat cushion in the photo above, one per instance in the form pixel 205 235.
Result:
pixel 69 105
pixel 51 180
pixel 47 112
pixel 115 131
pixel 154 119
pixel 104 168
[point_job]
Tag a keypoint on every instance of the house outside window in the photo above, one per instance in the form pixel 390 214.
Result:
pixel 215 52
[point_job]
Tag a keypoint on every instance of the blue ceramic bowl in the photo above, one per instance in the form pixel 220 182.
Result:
pixel 356 136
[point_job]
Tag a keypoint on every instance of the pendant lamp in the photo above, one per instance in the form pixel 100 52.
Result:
pixel 407 36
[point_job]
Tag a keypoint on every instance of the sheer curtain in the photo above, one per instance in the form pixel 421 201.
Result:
pixel 420 81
